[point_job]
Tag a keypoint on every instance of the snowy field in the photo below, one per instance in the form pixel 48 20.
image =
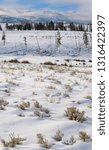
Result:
pixel 45 91
pixel 44 43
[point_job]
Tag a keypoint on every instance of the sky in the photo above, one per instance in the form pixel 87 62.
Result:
pixel 82 8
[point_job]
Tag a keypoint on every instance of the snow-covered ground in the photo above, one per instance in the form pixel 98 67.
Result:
pixel 44 43
pixel 54 83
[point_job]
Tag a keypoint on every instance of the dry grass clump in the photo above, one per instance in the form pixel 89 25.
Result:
pixel 54 80
pixel 21 115
pixel 51 68
pixel 49 63
pixel 44 109
pixel 58 136
pixel 13 83
pixel 79 60
pixel 37 105
pixel 84 136
pixel 90 61
pixel 7 91
pixel 3 103
pixel 64 65
pixel 25 62
pixel 88 97
pixel 13 141
pixel 41 114
pixel 89 106
pixel 68 87
pixel 16 61
pixel 71 141
pixel 66 95
pixel 51 87
pixel 37 113
pixel 34 93
pixel 41 111
pixel 12 61
pixel 68 60
pixel 43 141
pixel 74 114
pixel 23 105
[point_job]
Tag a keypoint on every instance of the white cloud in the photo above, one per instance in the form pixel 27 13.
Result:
pixel 81 2
pixel 76 15
pixel 84 11
pixel 84 6
pixel 14 4
pixel 71 15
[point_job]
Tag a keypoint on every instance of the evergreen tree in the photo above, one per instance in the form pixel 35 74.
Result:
pixel 61 25
pixel 0 28
pixel 4 38
pixel 6 26
pixel 90 27
pixel 51 25
pixel 85 38
pixel 58 39
pixel 72 26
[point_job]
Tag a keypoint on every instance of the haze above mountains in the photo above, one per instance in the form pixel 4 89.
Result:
pixel 22 16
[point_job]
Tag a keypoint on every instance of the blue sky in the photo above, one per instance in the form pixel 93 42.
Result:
pixel 42 4
pixel 81 7
pixel 59 5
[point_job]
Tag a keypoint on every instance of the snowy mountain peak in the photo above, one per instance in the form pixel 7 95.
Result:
pixel 14 16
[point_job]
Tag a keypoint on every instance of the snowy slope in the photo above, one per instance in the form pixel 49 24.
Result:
pixel 54 82
pixel 15 16
pixel 12 19
pixel 54 87
pixel 44 43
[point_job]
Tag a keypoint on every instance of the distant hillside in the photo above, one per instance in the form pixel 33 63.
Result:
pixel 40 16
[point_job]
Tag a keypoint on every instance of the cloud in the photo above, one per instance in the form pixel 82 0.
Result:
pixel 76 15
pixel 83 7
pixel 14 4
pixel 80 2
pixel 75 9
pixel 46 13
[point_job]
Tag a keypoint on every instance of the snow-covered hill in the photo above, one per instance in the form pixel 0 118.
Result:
pixel 10 19
pixel 10 16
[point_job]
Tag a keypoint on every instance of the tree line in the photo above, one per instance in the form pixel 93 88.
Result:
pixel 49 26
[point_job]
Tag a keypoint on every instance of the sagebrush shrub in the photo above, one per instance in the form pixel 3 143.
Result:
pixel 3 103
pixel 84 136
pixel 23 105
pixel 58 136
pixel 46 110
pixel 37 105
pixel 25 62
pixel 40 138
pixel 37 113
pixel 41 111
pixel 71 141
pixel 43 141
pixel 88 97
pixel 68 87
pixel 13 141
pixel 50 63
pixel 74 114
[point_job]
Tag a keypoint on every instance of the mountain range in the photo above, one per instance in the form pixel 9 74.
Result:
pixel 40 16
